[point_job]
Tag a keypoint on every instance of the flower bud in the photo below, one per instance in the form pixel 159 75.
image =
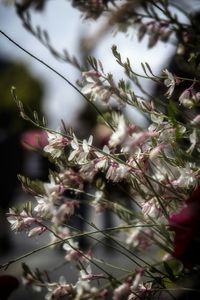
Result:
pixel 36 231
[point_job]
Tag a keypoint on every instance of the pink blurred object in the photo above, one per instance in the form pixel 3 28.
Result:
pixel 34 139
pixel 186 226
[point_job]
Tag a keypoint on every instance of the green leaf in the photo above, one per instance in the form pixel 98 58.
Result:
pixel 144 69
pixel 34 187
pixel 169 271
pixel 172 112
pixel 26 269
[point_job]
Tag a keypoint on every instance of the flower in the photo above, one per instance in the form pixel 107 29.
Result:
pixel 120 133
pixel 64 212
pixel 61 232
pixel 185 98
pixel 139 237
pixel 34 139
pixel 92 80
pixel 137 279
pixel 73 252
pixel 194 140
pixel 169 82
pixel 196 120
pixel 151 209
pixel 56 145
pixel 86 274
pixel 80 152
pixel 121 291
pixel 36 231
pixel 85 291
pixel 19 221
pixel 43 207
pixel 186 226
pixel 101 162
pixel 144 290
pixel 186 177
pixel 58 290
pixel 117 172
pixel 95 87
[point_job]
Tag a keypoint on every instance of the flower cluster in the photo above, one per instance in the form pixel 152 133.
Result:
pixel 152 165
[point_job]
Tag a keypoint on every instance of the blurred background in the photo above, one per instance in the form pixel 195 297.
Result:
pixel 42 90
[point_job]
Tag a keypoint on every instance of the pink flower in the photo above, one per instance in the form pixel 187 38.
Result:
pixel 186 225
pixel 34 139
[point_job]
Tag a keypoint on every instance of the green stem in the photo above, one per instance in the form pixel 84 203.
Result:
pixel 6 265
pixel 58 74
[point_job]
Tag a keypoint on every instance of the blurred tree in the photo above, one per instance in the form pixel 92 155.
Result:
pixel 12 154
pixel 28 88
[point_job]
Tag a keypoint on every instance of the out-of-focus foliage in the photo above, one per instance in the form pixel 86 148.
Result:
pixel 29 88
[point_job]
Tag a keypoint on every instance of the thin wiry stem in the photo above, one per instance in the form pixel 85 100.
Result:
pixel 88 233
pixel 58 74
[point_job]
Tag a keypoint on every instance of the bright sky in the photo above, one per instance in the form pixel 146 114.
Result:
pixel 65 28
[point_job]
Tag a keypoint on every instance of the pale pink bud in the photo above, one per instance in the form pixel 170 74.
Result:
pixel 36 231
pixel 29 221
pixel 196 120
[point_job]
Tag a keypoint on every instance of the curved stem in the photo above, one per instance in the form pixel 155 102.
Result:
pixel 58 74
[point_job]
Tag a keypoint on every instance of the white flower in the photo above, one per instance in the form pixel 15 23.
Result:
pixel 75 147
pixel 83 274
pixel 80 152
pixel 19 221
pixel 86 146
pixel 99 203
pixel 157 119
pixel 92 82
pixel 132 297
pixel 87 275
pixel 82 286
pixel 95 87
pixel 121 291
pixel 111 172
pixel 56 145
pixel 155 151
pixel 43 207
pixel 187 178
pixel 120 133
pixel 51 186
pixel 88 170
pixel 137 279
pixel 132 237
pixel 186 98
pixel 116 172
pixel 137 139
pixel 169 82
pixel 196 120
pixel 61 233
pixel 139 237
pixel 193 141
pixel 145 287
pixel 64 211
pixel 151 209
pixel 72 249
pixel 101 163
pixel 97 197
pixel 58 290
